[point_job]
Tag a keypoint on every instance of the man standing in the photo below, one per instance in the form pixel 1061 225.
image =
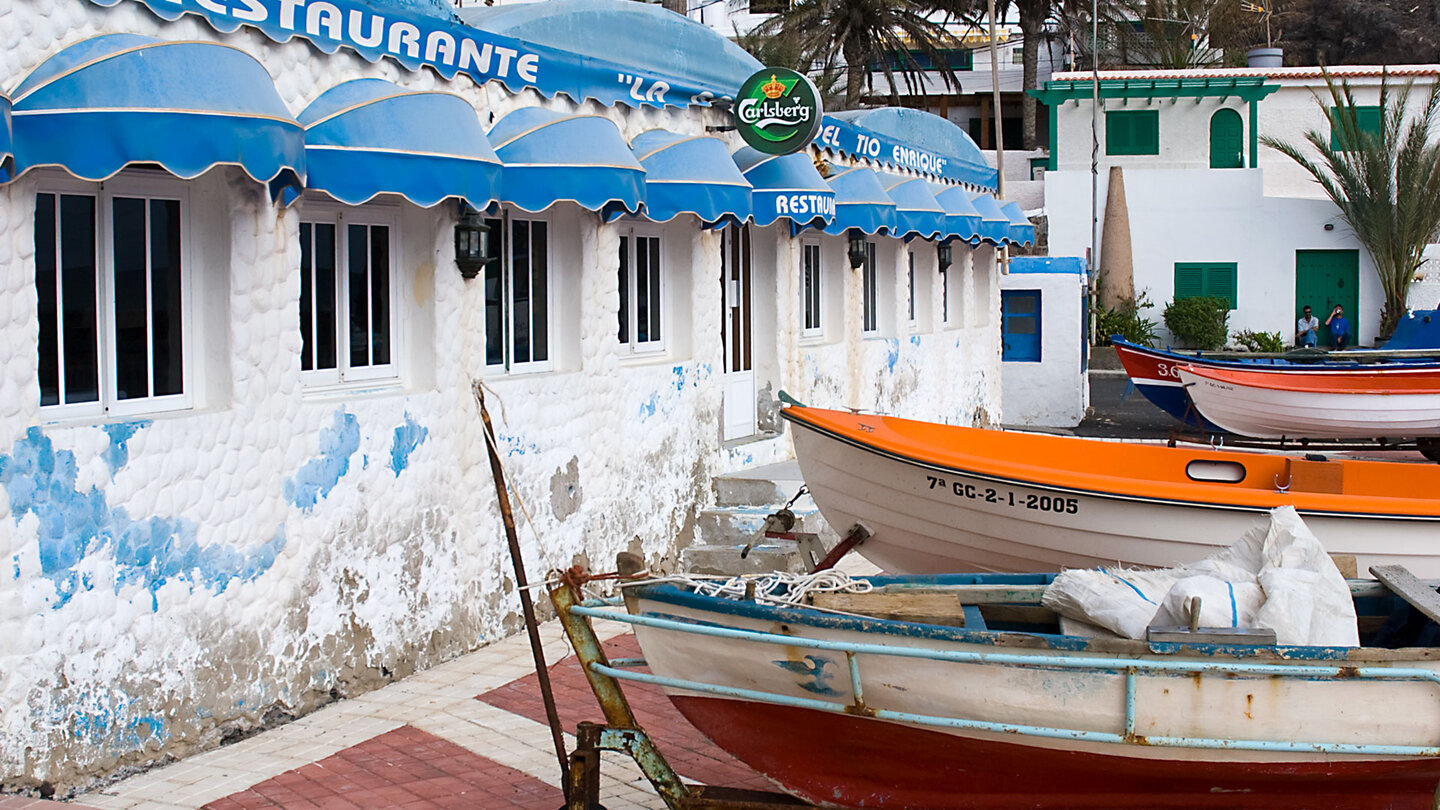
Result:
pixel 1339 328
pixel 1307 330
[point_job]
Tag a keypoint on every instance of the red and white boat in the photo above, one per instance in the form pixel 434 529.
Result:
pixel 962 692
pixel 1273 403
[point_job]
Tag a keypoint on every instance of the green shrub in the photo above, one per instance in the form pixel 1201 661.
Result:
pixel 1126 321
pixel 1260 341
pixel 1199 322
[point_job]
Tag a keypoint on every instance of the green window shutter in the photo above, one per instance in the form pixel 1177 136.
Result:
pixel 1188 281
pixel 1211 279
pixel 1220 282
pixel 1132 132
pixel 1368 117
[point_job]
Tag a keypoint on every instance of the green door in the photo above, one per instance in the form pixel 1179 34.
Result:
pixel 1227 136
pixel 1324 278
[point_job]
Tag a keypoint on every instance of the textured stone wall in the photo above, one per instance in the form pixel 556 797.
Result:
pixel 171 581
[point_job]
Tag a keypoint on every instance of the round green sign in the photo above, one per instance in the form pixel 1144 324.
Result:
pixel 777 111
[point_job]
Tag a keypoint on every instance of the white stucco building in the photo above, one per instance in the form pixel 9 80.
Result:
pixel 241 458
pixel 1210 210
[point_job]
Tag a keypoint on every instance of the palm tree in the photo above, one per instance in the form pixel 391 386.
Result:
pixel 1385 180
pixel 860 37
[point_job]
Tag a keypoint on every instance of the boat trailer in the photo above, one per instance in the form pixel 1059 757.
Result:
pixel 621 731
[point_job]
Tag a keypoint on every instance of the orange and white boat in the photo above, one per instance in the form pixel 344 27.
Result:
pixel 1273 403
pixel 940 498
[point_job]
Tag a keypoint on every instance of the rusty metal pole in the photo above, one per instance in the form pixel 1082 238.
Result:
pixel 532 628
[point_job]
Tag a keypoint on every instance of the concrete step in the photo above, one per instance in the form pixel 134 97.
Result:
pixel 759 486
pixel 731 537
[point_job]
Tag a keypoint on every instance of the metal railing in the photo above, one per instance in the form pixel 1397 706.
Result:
pixel 1130 668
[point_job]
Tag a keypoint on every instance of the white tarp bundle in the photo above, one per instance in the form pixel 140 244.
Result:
pixel 1277 576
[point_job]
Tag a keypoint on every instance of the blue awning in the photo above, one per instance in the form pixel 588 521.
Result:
pixel 786 186
pixel 915 206
pixel 962 221
pixel 909 139
pixel 5 139
pixel 551 156
pixel 861 202
pixel 368 136
pixel 994 225
pixel 117 99
pixel 690 174
pixel 1022 231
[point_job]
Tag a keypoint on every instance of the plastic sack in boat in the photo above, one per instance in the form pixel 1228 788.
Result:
pixel 1277 575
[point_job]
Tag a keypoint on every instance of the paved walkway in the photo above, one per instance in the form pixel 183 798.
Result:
pixel 470 733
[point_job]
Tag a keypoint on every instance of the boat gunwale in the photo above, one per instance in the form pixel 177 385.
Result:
pixel 1337 383
pixel 1249 500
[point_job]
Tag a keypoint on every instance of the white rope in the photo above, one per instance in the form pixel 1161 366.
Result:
pixel 779 588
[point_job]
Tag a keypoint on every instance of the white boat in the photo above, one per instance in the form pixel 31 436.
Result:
pixel 1275 403
pixel 939 498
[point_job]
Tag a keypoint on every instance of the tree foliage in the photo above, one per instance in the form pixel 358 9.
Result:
pixel 1386 183
pixel 1359 32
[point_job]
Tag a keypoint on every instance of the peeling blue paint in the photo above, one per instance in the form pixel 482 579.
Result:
pixel 407 437
pixel 515 446
pixel 320 475
pixel 892 353
pixel 679 372
pixel 100 720
pixel 117 455
pixel 74 524
pixel 649 407
pixel 915 340
pixel 813 676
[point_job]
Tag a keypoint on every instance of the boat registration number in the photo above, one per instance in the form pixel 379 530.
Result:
pixel 1005 497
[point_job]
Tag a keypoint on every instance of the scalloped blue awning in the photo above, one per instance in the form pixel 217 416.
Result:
pixel 117 99
pixel 368 136
pixel 962 221
pixel 916 210
pixel 911 139
pixel 1022 231
pixel 5 139
pixel 994 225
pixel 786 186
pixel 861 202
pixel 551 156
pixel 690 174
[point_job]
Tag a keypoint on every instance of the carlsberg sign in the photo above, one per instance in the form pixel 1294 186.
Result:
pixel 777 111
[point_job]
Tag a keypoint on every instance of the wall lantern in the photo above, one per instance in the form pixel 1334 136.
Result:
pixel 472 245
pixel 856 252
pixel 942 252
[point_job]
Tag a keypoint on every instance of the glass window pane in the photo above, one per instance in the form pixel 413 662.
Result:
pixel 380 294
pixel 624 330
pixel 653 322
pixel 358 293
pixel 132 351
pixel 307 298
pixel 78 299
pixel 494 295
pixel 327 301
pixel 520 289
pixel 539 290
pixel 165 315
pixel 47 286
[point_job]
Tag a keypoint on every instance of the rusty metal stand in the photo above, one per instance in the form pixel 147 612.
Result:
pixel 623 733
pixel 858 534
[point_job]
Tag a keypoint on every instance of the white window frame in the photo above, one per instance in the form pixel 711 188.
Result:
pixel 629 235
pixel 148 186
pixel 507 365
pixel 809 296
pixel 342 216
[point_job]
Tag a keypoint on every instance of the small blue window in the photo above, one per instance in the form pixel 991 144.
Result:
pixel 1020 326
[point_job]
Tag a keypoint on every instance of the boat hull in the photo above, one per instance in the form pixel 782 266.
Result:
pixel 928 516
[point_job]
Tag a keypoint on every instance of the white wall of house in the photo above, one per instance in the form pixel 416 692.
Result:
pixel 1050 392
pixel 281 541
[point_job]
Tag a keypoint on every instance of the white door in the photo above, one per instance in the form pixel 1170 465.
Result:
pixel 739 376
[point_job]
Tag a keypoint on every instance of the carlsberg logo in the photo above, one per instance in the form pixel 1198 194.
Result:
pixel 778 111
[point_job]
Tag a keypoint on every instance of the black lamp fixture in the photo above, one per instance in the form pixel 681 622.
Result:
pixel 856 251
pixel 942 252
pixel 472 247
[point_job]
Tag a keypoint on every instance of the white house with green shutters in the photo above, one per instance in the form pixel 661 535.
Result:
pixel 1210 210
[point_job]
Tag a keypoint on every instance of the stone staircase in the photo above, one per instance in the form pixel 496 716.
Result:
pixel 729 535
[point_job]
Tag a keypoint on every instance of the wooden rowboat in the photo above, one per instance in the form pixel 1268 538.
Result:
pixel 940 498
pixel 1275 403
pixel 961 692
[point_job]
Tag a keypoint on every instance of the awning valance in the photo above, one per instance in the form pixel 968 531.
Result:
pixel 910 139
pixel 1022 231
pixel 786 186
pixel 368 136
pixel 994 225
pixel 5 139
pixel 916 210
pixel 861 202
pixel 551 156
pixel 117 99
pixel 962 221
pixel 690 174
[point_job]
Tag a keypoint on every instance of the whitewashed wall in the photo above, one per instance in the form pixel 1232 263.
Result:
pixel 1052 392
pixel 278 547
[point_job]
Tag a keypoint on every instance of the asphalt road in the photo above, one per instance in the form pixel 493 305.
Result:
pixel 1118 411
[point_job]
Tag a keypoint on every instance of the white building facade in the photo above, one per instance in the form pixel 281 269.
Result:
pixel 241 454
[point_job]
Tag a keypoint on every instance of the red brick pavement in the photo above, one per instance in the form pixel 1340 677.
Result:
pixel 689 752
pixel 404 768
